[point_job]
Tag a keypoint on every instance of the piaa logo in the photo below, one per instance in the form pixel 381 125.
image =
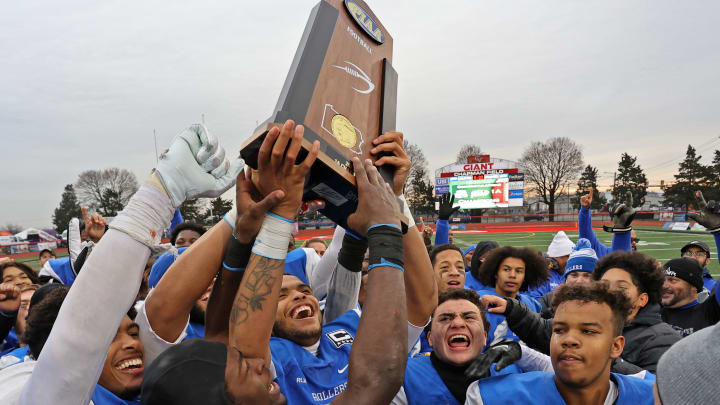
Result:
pixel 364 21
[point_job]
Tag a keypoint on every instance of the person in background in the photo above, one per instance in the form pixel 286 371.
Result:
pixel 449 267
pixel 700 252
pixel 318 244
pixel 457 333
pixel 14 276
pixel 45 255
pixel 680 306
pixel 467 255
pixel 442 226
pixel 511 271
pixel 558 252
pixel 482 249
pixel 647 337
pixel 186 234
pixel 579 269
pixel 624 237
pixel 586 339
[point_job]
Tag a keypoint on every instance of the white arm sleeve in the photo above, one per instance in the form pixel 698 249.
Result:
pixel 154 344
pixel 472 396
pixel 414 334
pixel 73 356
pixel 400 398
pixel 319 275
pixel 343 292
pixel 533 360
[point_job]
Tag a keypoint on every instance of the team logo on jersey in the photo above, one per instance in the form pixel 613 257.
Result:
pixel 340 337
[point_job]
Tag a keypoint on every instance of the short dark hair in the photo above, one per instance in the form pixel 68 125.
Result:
pixel 314 240
pixel 24 268
pixel 441 248
pixel 644 271
pixel 536 269
pixel 463 294
pixel 186 226
pixel 41 318
pixel 598 292
pixel 46 250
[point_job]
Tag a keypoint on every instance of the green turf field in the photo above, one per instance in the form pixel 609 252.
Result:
pixel 660 245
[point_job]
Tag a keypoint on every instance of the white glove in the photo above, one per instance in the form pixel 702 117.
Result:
pixel 195 166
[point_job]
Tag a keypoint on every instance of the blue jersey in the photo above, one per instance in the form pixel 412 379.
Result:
pixel 423 385
pixel 10 343
pixel 708 280
pixel 499 329
pixel 16 356
pixel 295 264
pixel 552 283
pixel 194 330
pixel 308 379
pixel 63 270
pixel 471 283
pixel 101 396
pixel 538 388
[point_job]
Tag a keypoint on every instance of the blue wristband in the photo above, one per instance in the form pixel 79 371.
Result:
pixel 385 263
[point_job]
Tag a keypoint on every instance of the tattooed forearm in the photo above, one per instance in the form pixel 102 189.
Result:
pixel 259 278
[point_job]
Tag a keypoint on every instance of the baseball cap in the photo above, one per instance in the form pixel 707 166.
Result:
pixel 685 269
pixel 698 243
pixel 192 372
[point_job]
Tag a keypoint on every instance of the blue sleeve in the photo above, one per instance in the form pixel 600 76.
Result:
pixel 442 232
pixel 586 231
pixel 621 241
pixel 295 264
pixel 716 235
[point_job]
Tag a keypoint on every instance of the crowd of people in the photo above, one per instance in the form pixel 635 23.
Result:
pixel 389 312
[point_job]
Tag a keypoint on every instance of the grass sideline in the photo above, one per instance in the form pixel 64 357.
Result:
pixel 660 245
pixel 663 246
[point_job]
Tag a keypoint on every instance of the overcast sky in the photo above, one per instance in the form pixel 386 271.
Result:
pixel 83 84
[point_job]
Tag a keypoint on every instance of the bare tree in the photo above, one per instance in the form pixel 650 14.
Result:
pixel 417 159
pixel 467 150
pixel 106 190
pixel 550 167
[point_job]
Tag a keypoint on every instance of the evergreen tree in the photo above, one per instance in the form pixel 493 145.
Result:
pixel 630 177
pixel 712 178
pixel 191 210
pixel 218 208
pixel 420 198
pixel 110 203
pixel 692 176
pixel 588 180
pixel 68 208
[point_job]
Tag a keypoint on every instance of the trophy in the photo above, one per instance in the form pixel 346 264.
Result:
pixel 342 88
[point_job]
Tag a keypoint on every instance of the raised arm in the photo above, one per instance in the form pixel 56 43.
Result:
pixel 420 285
pixel 247 220
pixel 379 352
pixel 442 226
pixel 585 225
pixel 169 304
pixel 253 311
pixel 109 281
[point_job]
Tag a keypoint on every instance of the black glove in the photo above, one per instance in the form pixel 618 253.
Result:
pixel 503 354
pixel 446 206
pixel 622 216
pixel 709 215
